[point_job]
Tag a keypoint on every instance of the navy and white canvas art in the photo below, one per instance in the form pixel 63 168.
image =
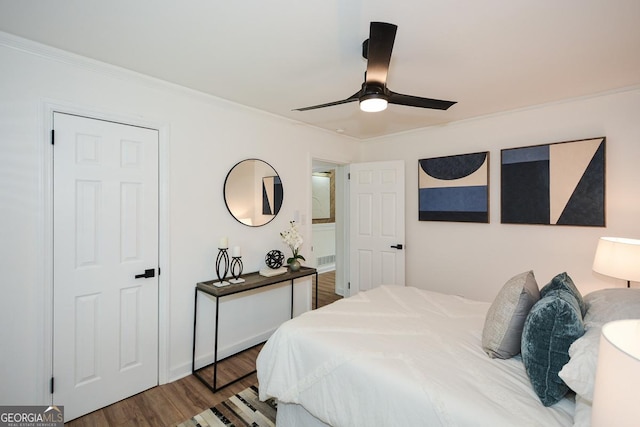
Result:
pixel 454 188
pixel 272 195
pixel 554 184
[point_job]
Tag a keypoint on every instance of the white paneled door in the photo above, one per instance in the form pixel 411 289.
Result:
pixel 376 225
pixel 105 226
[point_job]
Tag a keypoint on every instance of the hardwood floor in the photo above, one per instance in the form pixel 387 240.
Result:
pixel 173 403
pixel 326 289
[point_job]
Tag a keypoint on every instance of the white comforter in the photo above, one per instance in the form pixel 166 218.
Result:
pixel 400 356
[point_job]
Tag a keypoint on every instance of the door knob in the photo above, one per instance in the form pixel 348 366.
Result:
pixel 398 246
pixel 147 273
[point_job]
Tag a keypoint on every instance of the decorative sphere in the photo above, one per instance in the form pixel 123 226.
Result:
pixel 274 259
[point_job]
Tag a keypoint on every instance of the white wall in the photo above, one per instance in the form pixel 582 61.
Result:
pixel 203 138
pixel 476 259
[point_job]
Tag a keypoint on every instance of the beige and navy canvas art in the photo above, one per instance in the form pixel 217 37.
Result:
pixel 554 184
pixel 454 188
pixel 272 195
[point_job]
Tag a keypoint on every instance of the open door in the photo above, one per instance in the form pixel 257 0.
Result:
pixel 376 225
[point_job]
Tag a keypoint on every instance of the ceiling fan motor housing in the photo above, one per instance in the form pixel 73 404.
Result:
pixel 365 49
pixel 373 91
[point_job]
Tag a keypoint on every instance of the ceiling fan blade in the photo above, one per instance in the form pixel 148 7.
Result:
pixel 416 101
pixel 352 98
pixel 381 38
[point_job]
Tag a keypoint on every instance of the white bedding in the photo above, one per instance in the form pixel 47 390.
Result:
pixel 400 356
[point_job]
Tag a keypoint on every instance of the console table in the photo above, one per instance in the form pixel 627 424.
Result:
pixel 252 281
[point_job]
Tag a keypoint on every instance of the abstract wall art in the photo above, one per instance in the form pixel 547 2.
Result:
pixel 554 184
pixel 272 195
pixel 454 188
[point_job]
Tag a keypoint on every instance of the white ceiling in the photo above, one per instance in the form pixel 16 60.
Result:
pixel 489 55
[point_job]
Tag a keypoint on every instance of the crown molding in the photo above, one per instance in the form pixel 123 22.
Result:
pixel 92 65
pixel 51 53
pixel 55 54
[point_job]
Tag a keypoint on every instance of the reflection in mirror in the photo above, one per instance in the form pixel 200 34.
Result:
pixel 271 195
pixel 253 192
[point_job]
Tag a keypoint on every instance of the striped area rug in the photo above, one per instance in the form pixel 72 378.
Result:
pixel 243 409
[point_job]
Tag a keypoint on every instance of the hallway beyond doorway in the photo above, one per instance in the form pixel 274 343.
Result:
pixel 326 289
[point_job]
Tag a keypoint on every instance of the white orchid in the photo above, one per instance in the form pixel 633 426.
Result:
pixel 292 238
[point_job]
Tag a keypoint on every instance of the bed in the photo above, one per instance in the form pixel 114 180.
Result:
pixel 399 356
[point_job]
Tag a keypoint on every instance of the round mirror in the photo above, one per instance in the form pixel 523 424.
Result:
pixel 253 192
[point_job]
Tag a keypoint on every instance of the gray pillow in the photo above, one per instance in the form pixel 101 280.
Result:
pixel 553 324
pixel 564 282
pixel 502 332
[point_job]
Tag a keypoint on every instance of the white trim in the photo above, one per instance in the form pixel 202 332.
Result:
pixel 164 282
pixel 46 182
pixel 46 222
pixel 342 232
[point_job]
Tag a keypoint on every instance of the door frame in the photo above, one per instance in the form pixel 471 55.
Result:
pixel 49 107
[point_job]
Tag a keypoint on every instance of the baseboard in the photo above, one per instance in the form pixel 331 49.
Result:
pixel 185 369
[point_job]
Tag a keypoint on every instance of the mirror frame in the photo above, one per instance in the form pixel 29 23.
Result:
pixel 268 200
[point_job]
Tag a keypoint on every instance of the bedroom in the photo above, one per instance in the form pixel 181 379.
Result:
pixel 204 136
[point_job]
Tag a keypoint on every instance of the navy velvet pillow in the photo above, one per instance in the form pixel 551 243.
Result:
pixel 563 281
pixel 552 325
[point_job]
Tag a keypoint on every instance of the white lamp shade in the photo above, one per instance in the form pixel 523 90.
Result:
pixel 618 257
pixel 616 391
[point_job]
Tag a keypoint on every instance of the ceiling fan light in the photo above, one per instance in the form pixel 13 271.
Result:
pixel 373 104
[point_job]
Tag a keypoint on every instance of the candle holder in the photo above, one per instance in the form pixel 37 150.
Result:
pixel 222 266
pixel 236 270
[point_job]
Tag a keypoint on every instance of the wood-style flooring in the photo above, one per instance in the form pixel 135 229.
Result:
pixel 326 289
pixel 173 403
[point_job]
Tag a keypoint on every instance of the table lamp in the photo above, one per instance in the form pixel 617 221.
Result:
pixel 618 257
pixel 617 384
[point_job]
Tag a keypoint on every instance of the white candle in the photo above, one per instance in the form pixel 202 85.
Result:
pixel 236 251
pixel 224 243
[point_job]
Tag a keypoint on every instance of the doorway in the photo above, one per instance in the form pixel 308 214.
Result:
pixel 329 229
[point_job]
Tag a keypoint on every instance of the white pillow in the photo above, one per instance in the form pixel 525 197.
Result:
pixel 582 414
pixel 607 305
pixel 579 373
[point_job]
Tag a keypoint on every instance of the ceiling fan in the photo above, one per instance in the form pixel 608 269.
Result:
pixel 374 94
